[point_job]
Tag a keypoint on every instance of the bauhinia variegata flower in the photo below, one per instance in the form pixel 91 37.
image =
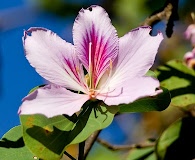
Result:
pixel 116 67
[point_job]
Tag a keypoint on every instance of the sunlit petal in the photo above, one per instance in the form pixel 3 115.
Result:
pixel 52 100
pixel 53 58
pixel 96 40
pixel 137 51
pixel 129 91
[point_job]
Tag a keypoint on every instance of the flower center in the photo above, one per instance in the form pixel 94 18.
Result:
pixel 90 77
pixel 92 93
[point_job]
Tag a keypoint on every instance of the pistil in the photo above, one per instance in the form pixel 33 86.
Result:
pixel 91 86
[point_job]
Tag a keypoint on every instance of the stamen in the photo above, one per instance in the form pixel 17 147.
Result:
pixel 80 78
pixel 110 73
pixel 110 64
pixel 106 93
pixel 109 76
pixel 193 16
pixel 90 65
pixel 77 70
pixel 94 92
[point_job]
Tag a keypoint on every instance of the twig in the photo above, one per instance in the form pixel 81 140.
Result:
pixel 163 15
pixel 69 156
pixel 90 141
pixel 124 147
pixel 168 12
pixel 81 150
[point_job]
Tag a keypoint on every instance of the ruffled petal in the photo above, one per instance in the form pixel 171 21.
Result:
pixel 137 51
pixel 129 91
pixel 53 58
pixel 52 100
pixel 96 40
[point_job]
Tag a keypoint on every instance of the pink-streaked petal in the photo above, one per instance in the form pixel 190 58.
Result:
pixel 53 58
pixel 137 51
pixel 190 31
pixel 190 34
pixel 95 38
pixel 52 100
pixel 129 91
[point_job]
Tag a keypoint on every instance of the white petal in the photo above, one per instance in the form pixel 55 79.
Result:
pixel 129 91
pixel 52 100
pixel 95 39
pixel 53 58
pixel 137 51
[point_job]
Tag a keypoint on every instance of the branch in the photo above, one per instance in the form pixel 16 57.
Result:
pixel 69 156
pixel 81 150
pixel 90 141
pixel 169 13
pixel 124 147
pixel 163 15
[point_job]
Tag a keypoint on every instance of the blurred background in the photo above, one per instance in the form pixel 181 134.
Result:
pixel 17 77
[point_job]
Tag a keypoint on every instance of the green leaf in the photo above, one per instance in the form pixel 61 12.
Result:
pixel 142 154
pixel 12 146
pixel 177 141
pixel 151 74
pixel 167 138
pixel 151 157
pixel 35 88
pixel 99 152
pixel 98 119
pixel 179 80
pixel 46 137
pixel 155 103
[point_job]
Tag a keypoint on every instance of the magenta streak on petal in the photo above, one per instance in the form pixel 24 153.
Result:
pixel 102 58
pixel 91 47
pixel 76 70
pixel 98 38
pixel 98 55
pixel 73 68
